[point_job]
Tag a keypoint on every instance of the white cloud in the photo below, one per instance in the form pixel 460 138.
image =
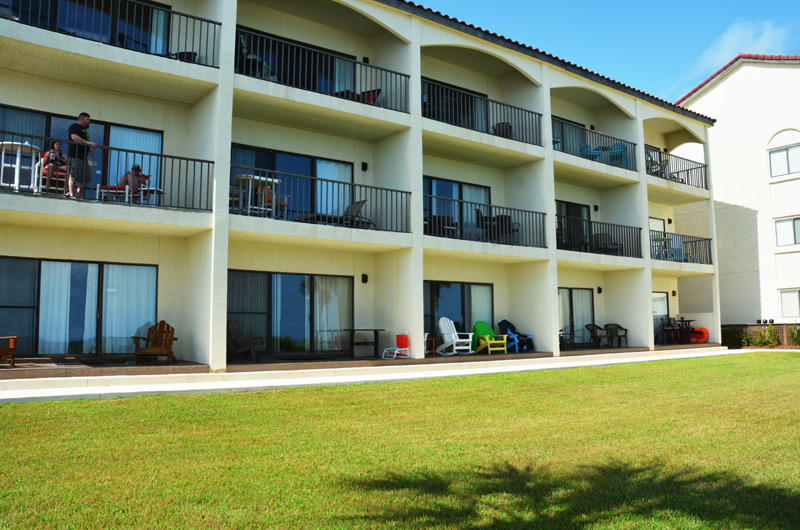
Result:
pixel 743 36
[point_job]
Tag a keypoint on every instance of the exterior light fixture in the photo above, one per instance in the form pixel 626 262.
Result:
pixel 599 290
pixel 674 293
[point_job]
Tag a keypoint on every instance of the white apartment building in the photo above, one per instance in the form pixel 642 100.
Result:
pixel 328 165
pixel 755 148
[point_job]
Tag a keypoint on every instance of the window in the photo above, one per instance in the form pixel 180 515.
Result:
pixel 134 25
pixel 295 313
pixel 463 303
pixel 784 161
pixel 309 185
pixel 34 127
pixel 787 231
pixel 790 303
pixel 573 226
pixel 62 307
pixel 445 208
pixel 294 63
pixel 454 105
pixel 657 224
pixel 576 309
pixel 660 308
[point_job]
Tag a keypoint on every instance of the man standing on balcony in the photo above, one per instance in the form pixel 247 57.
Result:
pixel 79 169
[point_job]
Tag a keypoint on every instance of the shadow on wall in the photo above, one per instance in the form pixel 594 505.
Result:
pixel 507 496
pixel 738 261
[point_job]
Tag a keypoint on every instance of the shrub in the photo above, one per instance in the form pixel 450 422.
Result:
pixel 747 340
pixel 768 337
pixel 794 334
pixel 733 336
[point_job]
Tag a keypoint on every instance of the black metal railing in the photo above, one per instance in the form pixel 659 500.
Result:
pixel 278 195
pixel 163 180
pixel 461 108
pixel 473 221
pixel 289 63
pixel 126 24
pixel 592 145
pixel 680 248
pixel 670 167
pixel 582 235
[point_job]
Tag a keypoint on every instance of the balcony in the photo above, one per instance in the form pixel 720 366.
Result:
pixel 166 181
pixel 674 168
pixel 472 221
pixel 457 107
pixel 582 235
pixel 680 248
pixel 269 194
pixel 579 141
pixel 288 63
pixel 128 24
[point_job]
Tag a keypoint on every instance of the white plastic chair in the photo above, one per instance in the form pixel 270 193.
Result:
pixel 460 342
pixel 400 350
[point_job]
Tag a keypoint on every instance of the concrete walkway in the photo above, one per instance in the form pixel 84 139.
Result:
pixel 60 388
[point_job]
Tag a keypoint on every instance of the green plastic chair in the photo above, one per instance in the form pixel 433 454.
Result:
pixel 484 337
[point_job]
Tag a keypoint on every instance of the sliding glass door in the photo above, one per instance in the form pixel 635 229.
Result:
pixel 294 313
pixel 576 309
pixel 463 303
pixel 76 308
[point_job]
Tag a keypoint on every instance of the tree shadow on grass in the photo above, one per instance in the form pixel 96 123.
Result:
pixel 616 494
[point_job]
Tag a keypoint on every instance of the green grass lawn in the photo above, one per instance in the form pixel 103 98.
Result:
pixel 695 443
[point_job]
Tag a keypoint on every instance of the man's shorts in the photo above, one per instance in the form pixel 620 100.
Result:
pixel 79 170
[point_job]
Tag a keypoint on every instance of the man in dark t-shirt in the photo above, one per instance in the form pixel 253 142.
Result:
pixel 79 169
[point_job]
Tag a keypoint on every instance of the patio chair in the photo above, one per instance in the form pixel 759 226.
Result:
pixel 618 156
pixel 454 341
pixel 585 150
pixel 604 244
pixel 237 343
pixel 351 216
pixel 615 331
pixel 498 228
pixel 598 334
pixel 484 338
pixel 158 343
pixel 521 342
pixel 400 348
pixel 670 330
pixel 566 338
pixel 9 352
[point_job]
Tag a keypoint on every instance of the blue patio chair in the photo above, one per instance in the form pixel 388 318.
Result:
pixel 618 156
pixel 520 342
pixel 586 151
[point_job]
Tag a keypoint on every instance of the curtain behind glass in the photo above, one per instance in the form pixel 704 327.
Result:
pixel 344 74
pixel 248 301
pixel 67 308
pixel 479 195
pixel 582 313
pixel 563 310
pixel 333 310
pixel 333 197
pixel 480 304
pixel 136 140
pixel 129 305
pixel 24 125
pixel 660 309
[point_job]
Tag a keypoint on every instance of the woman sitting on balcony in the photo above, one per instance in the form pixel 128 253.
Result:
pixel 133 178
pixel 56 163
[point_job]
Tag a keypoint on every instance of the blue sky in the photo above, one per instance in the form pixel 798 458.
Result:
pixel 662 48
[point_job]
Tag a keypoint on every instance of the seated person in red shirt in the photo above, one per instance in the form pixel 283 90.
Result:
pixel 134 179
pixel 56 163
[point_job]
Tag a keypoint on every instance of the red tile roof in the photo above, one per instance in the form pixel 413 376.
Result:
pixel 476 31
pixel 740 57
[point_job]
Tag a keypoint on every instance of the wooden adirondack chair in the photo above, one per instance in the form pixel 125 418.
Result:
pixel 485 339
pixel 158 343
pixel 9 352
pixel 238 343
pixel 454 341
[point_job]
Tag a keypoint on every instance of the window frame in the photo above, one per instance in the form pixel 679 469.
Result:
pixel 100 305
pixel 795 230
pixel 789 169
pixel 430 312
pixel 268 337
pixel 780 301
